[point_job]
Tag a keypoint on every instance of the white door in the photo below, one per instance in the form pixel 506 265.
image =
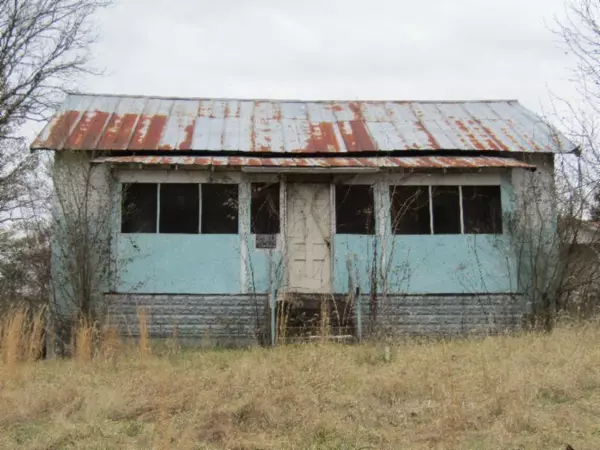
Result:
pixel 308 234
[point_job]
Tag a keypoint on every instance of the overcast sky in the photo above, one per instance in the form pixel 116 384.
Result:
pixel 330 49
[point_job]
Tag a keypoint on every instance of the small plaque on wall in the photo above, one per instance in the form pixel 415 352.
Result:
pixel 266 241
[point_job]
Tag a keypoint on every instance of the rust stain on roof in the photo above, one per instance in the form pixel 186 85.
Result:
pixel 60 130
pixel 355 108
pixel 148 132
pixel 493 140
pixel 469 134
pixel 107 140
pixel 322 139
pixel 87 131
pixel 361 136
pixel 139 135
pixel 430 138
pixel 138 123
pixel 510 137
pixel 79 132
pixel 348 136
pixel 125 131
pixel 96 127
pixel 186 144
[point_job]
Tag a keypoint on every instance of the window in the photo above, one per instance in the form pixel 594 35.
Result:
pixel 138 208
pixel 220 208
pixel 482 210
pixel 264 208
pixel 446 209
pixel 410 209
pixel 354 209
pixel 438 209
pixel 179 208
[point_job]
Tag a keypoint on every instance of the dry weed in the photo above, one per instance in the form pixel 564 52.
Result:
pixel 144 334
pixel 22 335
pixel 533 391
pixel 83 341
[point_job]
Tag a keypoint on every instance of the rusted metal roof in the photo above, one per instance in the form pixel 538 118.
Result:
pixel 104 122
pixel 406 162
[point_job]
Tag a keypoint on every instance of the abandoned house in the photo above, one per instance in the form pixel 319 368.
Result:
pixel 243 220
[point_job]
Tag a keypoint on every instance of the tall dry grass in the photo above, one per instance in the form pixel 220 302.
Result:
pixel 144 335
pixel 22 335
pixel 23 338
pixel 529 391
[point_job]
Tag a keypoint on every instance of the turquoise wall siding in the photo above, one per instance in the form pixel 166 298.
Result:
pixel 264 270
pixel 354 258
pixel 425 264
pixel 193 264
pixel 179 263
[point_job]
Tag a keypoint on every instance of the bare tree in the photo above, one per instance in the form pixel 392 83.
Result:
pixel 578 179
pixel 25 267
pixel 44 48
pixel 579 32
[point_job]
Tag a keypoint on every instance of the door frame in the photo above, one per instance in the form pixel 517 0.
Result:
pixel 285 182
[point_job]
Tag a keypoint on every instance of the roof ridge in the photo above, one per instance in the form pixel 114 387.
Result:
pixel 284 100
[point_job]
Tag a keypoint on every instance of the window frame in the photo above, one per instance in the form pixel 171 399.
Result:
pixel 432 211
pixel 372 188
pixel 122 207
pixel 500 218
pixel 461 211
pixel 124 182
pixel 238 215
pixel 160 206
pixel 266 185
pixel 392 189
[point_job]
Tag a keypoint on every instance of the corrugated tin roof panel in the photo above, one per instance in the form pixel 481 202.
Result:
pixel 407 162
pixel 97 122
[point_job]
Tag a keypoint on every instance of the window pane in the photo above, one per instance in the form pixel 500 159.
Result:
pixel 482 209
pixel 446 209
pixel 179 208
pixel 410 209
pixel 138 208
pixel 219 208
pixel 264 208
pixel 354 208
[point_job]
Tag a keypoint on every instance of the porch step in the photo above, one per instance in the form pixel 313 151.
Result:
pixel 299 316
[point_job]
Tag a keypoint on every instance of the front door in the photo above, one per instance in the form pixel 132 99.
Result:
pixel 308 233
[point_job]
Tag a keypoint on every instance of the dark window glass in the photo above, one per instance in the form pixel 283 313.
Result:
pixel 482 209
pixel 446 209
pixel 220 208
pixel 264 208
pixel 179 208
pixel 410 209
pixel 138 208
pixel 354 209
